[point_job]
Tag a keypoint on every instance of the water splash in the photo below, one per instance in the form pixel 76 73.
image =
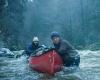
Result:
pixel 18 68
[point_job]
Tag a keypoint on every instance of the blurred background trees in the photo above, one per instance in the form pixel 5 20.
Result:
pixel 76 20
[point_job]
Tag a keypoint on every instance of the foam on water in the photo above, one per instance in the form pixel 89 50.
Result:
pixel 18 68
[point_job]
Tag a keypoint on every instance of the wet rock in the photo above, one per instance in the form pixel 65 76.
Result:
pixel 4 52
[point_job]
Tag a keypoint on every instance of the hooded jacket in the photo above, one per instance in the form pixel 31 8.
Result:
pixel 32 48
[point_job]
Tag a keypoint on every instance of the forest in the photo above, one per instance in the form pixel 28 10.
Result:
pixel 78 21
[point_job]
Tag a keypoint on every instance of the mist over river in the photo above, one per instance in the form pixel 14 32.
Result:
pixel 77 21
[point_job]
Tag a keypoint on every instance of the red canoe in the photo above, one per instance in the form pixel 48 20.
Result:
pixel 49 63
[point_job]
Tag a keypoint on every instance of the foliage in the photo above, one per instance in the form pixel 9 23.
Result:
pixel 76 20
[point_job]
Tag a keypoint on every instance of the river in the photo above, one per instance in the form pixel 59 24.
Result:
pixel 18 68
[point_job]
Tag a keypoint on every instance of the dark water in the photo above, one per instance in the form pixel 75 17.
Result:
pixel 18 69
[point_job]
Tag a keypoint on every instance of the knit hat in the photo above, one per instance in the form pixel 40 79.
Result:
pixel 54 34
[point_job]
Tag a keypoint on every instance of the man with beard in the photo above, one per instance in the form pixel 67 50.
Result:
pixel 67 52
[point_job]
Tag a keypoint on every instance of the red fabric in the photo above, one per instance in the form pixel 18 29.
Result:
pixel 49 63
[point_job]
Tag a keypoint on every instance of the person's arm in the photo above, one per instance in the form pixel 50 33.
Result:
pixel 62 49
pixel 69 46
pixel 28 50
pixel 65 47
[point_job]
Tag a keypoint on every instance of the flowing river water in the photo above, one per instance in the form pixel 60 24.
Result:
pixel 18 68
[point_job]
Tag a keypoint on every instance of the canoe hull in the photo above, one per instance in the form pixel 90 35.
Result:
pixel 49 63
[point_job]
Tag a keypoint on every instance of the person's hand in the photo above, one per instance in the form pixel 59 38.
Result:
pixel 39 53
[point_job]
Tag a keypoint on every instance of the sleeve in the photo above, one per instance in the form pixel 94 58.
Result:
pixel 69 46
pixel 62 49
pixel 65 47
pixel 28 50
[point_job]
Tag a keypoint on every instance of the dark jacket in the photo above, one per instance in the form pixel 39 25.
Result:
pixel 68 53
pixel 31 49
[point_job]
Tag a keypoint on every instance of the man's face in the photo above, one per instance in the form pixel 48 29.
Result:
pixel 36 43
pixel 56 40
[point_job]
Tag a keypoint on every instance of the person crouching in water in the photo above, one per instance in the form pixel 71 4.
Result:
pixel 67 52
pixel 33 47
